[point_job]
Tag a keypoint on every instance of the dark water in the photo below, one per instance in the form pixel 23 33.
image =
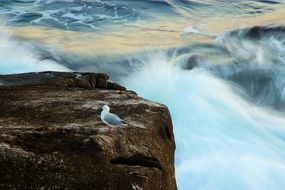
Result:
pixel 218 65
pixel 95 14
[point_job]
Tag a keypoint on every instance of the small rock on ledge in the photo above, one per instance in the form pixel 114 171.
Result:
pixel 51 135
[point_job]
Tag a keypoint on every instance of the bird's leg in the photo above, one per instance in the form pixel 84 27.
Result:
pixel 109 130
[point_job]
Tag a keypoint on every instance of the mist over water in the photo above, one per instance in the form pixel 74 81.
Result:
pixel 21 57
pixel 223 141
pixel 220 75
pixel 18 58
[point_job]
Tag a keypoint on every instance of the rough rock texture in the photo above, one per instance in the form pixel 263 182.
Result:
pixel 51 135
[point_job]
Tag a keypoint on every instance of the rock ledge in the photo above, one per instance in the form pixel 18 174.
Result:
pixel 51 135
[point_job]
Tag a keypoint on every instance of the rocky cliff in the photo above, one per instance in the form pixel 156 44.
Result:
pixel 51 135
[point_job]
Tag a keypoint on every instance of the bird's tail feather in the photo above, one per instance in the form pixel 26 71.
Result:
pixel 124 123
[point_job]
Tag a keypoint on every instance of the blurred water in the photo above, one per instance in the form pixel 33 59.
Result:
pixel 95 14
pixel 223 141
pixel 220 76
pixel 21 57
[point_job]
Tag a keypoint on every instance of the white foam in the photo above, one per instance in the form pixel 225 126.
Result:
pixel 196 30
pixel 222 141
pixel 20 57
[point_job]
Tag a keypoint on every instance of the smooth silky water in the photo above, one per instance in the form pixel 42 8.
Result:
pixel 221 78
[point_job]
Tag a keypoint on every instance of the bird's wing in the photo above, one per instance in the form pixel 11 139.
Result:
pixel 113 119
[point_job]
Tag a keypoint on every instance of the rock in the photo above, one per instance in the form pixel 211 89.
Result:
pixel 51 135
pixel 84 80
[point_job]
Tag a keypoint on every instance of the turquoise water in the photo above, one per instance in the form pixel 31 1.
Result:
pixel 223 141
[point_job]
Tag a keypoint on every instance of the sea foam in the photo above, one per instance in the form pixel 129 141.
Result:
pixel 20 56
pixel 223 141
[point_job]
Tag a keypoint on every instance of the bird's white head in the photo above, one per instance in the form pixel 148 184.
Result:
pixel 106 108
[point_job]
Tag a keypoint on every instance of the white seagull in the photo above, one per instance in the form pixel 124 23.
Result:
pixel 110 119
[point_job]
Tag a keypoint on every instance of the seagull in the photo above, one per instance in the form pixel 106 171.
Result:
pixel 110 119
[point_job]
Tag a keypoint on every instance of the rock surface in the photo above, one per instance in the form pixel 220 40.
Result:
pixel 51 135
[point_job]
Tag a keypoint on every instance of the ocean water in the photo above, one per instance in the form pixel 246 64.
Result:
pixel 218 65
